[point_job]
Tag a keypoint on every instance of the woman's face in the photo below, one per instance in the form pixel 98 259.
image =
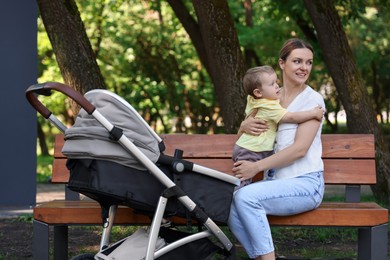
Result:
pixel 297 67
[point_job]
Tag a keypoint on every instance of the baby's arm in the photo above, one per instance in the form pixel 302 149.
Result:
pixel 303 116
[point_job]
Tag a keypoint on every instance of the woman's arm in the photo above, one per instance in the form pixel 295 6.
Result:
pixel 303 116
pixel 303 139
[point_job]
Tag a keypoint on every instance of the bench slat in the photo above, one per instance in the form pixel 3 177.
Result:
pixel 334 145
pixel 348 146
pixel 60 174
pixel 328 214
pixel 337 214
pixel 338 171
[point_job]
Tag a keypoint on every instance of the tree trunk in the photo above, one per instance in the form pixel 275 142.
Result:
pixel 71 45
pixel 226 62
pixel 193 30
pixel 251 59
pixel 339 59
pixel 42 140
pixel 216 42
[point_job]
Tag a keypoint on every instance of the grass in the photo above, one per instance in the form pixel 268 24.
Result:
pixel 315 242
pixel 44 167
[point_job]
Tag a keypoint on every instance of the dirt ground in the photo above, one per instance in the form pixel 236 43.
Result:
pixel 16 243
pixel 16 240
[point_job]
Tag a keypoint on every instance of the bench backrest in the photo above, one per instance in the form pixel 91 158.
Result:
pixel 349 159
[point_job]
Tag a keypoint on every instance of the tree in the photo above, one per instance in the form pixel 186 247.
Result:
pixel 216 42
pixel 72 48
pixel 368 38
pixel 338 56
pixel 73 53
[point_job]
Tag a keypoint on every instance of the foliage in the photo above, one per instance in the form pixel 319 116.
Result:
pixel 44 168
pixel 147 57
pixel 26 218
pixel 369 38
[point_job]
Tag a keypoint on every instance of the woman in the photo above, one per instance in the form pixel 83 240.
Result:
pixel 298 183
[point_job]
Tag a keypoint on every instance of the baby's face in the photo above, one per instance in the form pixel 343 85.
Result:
pixel 270 88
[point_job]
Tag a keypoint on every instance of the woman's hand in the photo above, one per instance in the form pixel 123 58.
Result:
pixel 245 169
pixel 319 112
pixel 253 125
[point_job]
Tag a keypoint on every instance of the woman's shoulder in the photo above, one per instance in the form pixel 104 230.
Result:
pixel 309 89
pixel 313 95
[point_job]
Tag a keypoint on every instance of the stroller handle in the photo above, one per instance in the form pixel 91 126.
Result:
pixel 45 89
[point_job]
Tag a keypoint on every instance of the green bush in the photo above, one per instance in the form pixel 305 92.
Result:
pixel 44 168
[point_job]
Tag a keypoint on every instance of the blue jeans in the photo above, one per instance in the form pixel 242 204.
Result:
pixel 281 197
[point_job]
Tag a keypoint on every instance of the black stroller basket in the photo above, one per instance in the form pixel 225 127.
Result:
pixel 110 184
pixel 131 169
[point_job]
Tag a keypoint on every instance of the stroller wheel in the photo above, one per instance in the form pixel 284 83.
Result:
pixel 84 257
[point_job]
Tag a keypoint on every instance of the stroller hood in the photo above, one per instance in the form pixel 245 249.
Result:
pixel 88 139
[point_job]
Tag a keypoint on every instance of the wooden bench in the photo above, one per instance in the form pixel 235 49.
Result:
pixel 349 160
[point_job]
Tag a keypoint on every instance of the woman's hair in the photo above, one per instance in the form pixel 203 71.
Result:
pixel 291 45
pixel 252 78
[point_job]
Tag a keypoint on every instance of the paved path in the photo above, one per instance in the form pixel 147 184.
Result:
pixel 45 192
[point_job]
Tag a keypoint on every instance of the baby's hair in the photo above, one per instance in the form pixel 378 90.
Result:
pixel 253 77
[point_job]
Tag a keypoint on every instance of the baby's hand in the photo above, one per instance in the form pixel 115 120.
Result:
pixel 318 113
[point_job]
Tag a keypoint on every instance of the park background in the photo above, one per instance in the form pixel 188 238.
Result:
pixel 180 64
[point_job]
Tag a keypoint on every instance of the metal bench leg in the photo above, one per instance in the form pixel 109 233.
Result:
pixel 71 195
pixel 40 240
pixel 60 242
pixel 372 243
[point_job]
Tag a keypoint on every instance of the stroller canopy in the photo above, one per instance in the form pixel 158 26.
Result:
pixel 88 139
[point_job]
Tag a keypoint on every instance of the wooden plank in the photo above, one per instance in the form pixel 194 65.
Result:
pixel 83 212
pixel 337 214
pixel 344 171
pixel 88 212
pixel 348 146
pixel 336 171
pixel 203 146
pixel 60 174
pixel 58 144
pixel 198 145
pixel 328 214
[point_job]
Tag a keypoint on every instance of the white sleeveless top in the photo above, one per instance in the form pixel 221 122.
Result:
pixel 312 161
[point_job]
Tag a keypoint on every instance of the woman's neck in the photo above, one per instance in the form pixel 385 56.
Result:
pixel 290 93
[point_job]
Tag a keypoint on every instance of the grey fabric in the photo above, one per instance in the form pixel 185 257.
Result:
pixel 88 139
pixel 132 247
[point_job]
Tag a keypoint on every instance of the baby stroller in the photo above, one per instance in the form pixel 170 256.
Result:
pixel 115 158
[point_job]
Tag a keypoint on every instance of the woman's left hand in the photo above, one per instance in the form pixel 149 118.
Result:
pixel 245 169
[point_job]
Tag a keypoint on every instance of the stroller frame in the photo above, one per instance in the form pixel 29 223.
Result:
pixel 172 190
